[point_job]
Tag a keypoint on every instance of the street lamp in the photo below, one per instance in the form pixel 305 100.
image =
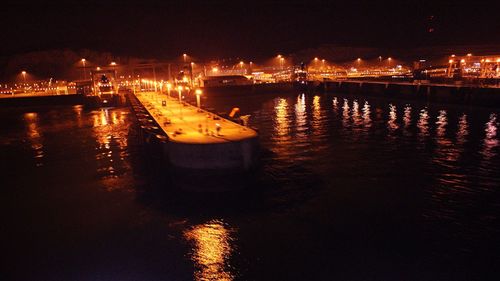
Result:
pixel 179 90
pixel 184 56
pixel 24 79
pixel 180 100
pixel 198 94
pixel 169 86
pixel 84 72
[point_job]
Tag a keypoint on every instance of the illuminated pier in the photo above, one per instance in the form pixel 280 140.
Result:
pixel 197 139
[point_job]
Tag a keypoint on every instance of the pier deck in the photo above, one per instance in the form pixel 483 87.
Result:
pixel 185 123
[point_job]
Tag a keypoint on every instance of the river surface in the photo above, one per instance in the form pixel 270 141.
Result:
pixel 349 188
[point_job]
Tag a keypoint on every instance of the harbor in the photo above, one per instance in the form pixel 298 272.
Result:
pixel 250 141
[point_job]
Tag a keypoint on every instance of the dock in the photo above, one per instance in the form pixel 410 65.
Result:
pixel 462 94
pixel 198 139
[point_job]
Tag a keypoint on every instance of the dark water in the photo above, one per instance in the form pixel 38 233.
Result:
pixel 348 189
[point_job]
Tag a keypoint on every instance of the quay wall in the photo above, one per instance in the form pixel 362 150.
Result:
pixel 456 94
pixel 249 89
pixel 234 155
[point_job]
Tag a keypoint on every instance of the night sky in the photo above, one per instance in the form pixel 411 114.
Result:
pixel 213 29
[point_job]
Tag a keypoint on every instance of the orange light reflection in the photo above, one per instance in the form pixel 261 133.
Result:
pixel 212 248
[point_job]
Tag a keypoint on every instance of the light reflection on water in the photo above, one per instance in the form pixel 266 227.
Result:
pixel 345 114
pixel 282 121
pixel 301 116
pixel 490 140
pixel 392 122
pixel 423 123
pixel 110 129
pixel 35 137
pixel 316 114
pixel 440 136
pixel 367 120
pixel 212 247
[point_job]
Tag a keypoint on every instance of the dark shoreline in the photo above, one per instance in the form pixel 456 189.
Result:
pixel 42 100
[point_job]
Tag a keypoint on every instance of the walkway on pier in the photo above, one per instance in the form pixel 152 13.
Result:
pixel 187 124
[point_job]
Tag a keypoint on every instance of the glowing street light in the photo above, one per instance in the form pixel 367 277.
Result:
pixel 113 63
pixel 184 56
pixel 169 87
pixel 179 89
pixel 24 79
pixel 241 64
pixel 84 71
pixel 198 93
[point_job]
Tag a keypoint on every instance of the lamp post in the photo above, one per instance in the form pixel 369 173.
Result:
pixel 84 72
pixel 169 86
pixel 184 57
pixel 113 66
pixel 24 80
pixel 198 94
pixel 179 89
pixel 191 67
